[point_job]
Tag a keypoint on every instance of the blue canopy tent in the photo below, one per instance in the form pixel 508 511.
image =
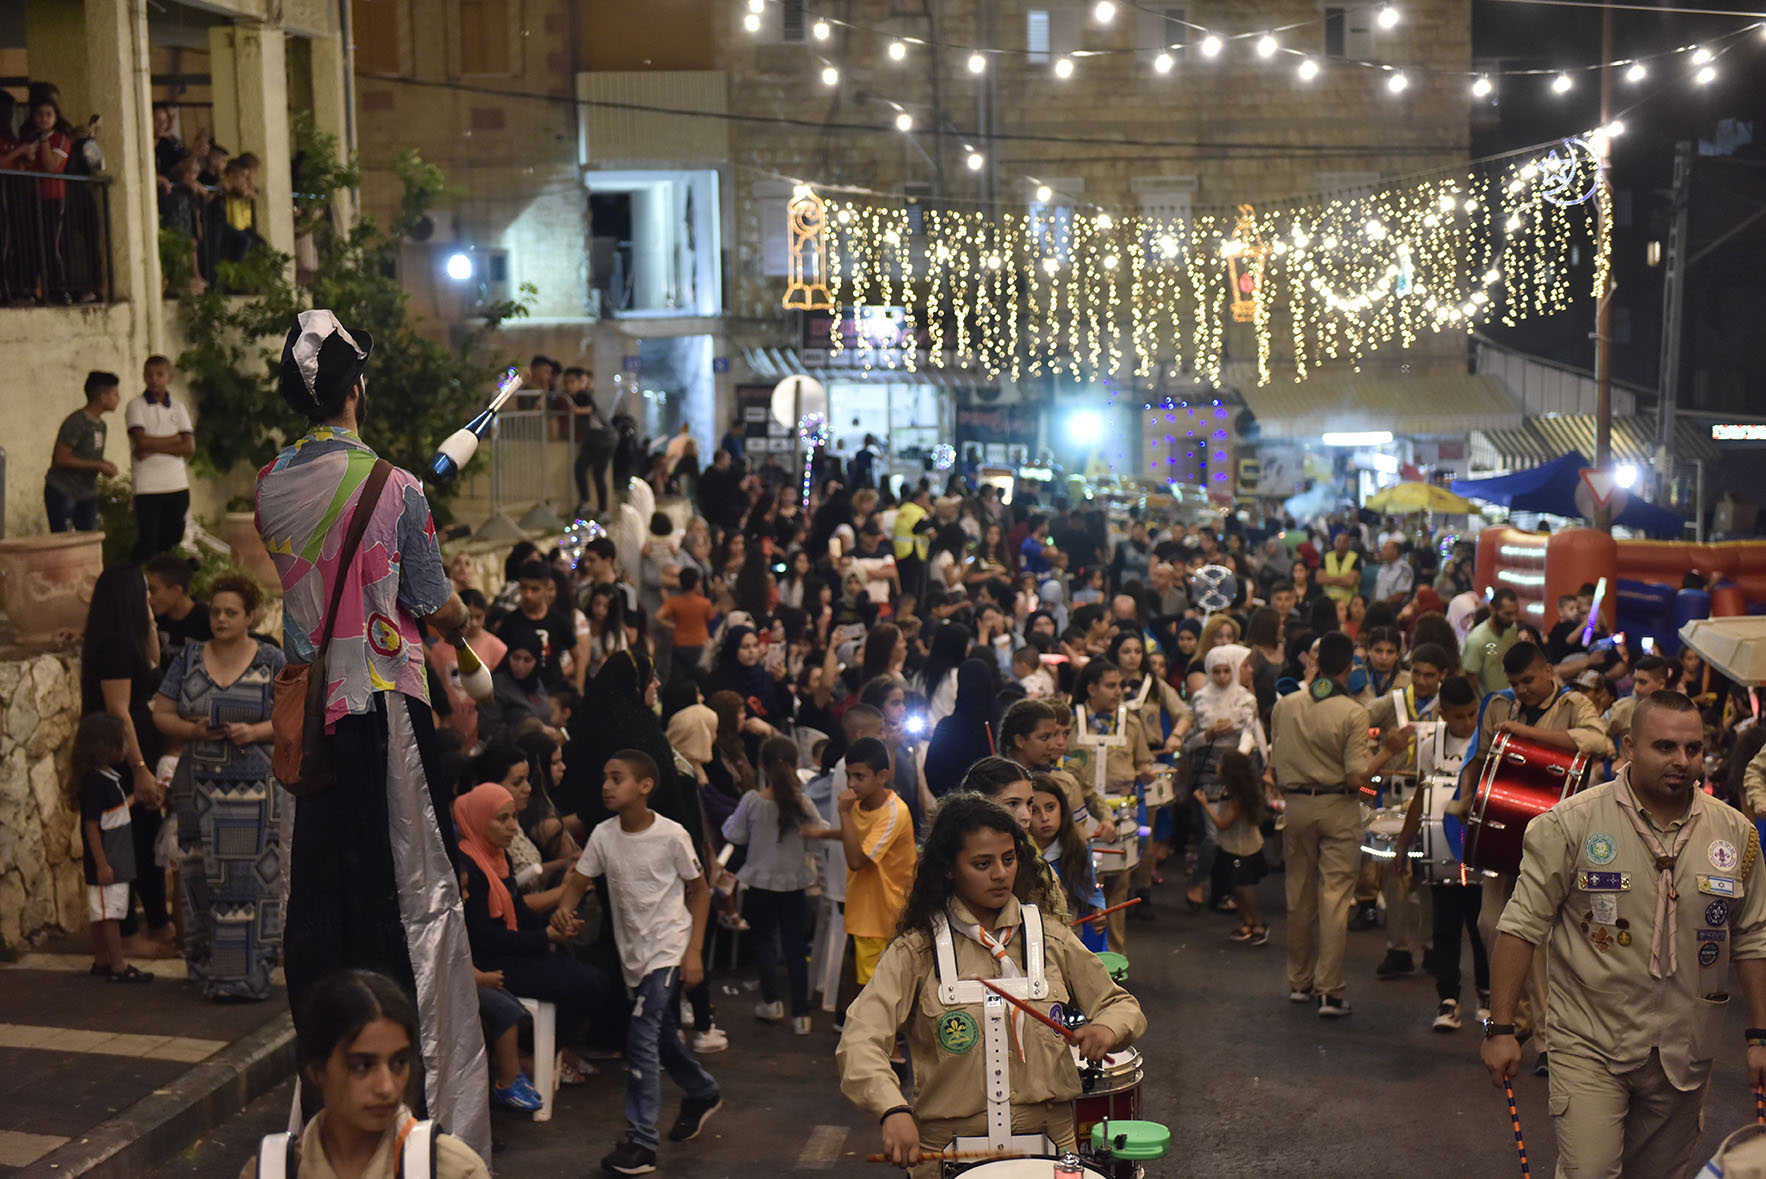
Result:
pixel 1551 489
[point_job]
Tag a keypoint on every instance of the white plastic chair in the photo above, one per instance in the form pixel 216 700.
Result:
pixel 545 1058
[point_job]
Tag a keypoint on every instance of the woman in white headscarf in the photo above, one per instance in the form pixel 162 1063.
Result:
pixel 1225 710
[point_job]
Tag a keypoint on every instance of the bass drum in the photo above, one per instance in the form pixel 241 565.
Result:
pixel 1019 1168
pixel 1520 781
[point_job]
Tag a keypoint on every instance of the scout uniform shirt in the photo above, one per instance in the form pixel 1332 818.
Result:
pixel 1122 760
pixel 1589 888
pixel 1315 744
pixel 949 1074
pixel 1385 713
pixel 1568 711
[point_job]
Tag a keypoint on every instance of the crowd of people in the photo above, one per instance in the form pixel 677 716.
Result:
pixel 207 195
pixel 51 233
pixel 875 735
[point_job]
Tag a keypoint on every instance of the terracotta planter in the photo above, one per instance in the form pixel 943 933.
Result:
pixel 46 582
pixel 247 550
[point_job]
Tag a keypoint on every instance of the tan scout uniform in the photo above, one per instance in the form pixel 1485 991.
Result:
pixel 1315 745
pixel 1631 1053
pixel 1569 712
pixel 1123 761
pixel 1753 783
pixel 950 1086
pixel 1406 927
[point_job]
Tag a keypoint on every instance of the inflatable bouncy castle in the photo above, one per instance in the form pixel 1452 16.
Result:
pixel 1644 594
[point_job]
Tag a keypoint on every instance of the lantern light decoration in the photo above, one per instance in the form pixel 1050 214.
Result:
pixel 806 286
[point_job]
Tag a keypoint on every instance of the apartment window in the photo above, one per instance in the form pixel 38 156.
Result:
pixel 791 22
pixel 1348 32
pixel 484 37
pixel 1164 29
pixel 374 26
pixel 1036 35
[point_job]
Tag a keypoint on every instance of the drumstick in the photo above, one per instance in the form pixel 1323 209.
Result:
pixel 1760 1105
pixel 953 1156
pixel 1105 912
pixel 1065 1033
pixel 1514 1115
pixel 1108 851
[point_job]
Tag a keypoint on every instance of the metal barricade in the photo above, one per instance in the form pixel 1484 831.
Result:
pixel 519 460
pixel 54 239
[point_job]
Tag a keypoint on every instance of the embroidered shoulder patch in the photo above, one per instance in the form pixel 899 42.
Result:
pixel 958 1032
pixel 1600 848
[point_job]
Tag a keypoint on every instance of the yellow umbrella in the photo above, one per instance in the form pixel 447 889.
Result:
pixel 1421 497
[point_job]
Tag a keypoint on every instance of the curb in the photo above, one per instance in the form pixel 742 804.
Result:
pixel 153 1130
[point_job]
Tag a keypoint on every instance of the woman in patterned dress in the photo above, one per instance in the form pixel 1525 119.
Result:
pixel 215 698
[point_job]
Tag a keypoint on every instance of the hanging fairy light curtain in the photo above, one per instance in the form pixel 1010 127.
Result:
pixel 1089 296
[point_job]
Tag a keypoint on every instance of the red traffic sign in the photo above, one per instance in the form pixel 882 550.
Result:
pixel 1600 484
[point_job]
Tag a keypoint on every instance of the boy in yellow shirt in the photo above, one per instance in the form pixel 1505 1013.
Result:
pixel 878 835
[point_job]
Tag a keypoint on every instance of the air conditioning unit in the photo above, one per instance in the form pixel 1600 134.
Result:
pixel 435 229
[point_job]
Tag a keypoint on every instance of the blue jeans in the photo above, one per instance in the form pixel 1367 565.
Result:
pixel 69 515
pixel 652 1044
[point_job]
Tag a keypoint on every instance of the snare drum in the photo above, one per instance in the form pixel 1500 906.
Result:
pixel 1110 1090
pixel 1519 782
pixel 1116 964
pixel 1125 854
pixel 1162 790
pixel 1019 1168
pixel 1382 830
pixel 1119 1147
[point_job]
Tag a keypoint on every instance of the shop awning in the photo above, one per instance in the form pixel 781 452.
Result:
pixel 1633 438
pixel 1443 401
pixel 1514 450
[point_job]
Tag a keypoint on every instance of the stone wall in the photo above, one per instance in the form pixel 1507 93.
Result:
pixel 42 888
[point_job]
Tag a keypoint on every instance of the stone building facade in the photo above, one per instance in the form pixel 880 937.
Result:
pixel 42 887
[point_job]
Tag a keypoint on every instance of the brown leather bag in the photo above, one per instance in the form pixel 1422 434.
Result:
pixel 301 751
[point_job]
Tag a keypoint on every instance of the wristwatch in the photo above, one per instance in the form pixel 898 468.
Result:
pixel 1492 1030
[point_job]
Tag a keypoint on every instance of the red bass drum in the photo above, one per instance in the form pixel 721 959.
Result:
pixel 1520 781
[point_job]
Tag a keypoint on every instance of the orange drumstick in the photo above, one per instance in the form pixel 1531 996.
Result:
pixel 1027 1009
pixel 955 1156
pixel 1105 912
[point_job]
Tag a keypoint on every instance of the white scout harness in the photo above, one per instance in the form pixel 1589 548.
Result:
pixel 279 1159
pixel 1101 743
pixel 996 1015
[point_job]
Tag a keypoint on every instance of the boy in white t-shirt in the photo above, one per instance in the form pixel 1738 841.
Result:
pixel 649 861
pixel 160 436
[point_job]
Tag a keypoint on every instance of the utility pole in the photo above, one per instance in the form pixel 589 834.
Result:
pixel 1603 307
pixel 1673 300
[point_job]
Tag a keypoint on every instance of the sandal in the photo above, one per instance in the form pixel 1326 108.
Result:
pixel 1243 933
pixel 128 974
pixel 573 1073
pixel 1192 900
pixel 1260 935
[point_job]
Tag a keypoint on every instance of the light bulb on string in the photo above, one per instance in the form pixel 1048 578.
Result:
pixel 1561 84
pixel 1637 73
pixel 1482 87
pixel 1210 46
pixel 757 6
pixel 1105 221
pixel 1266 46
pixel 830 76
pixel 1397 82
pixel 821 30
pixel 1701 56
pixel 1308 70
pixel 1064 68
pixel 1103 12
pixel 1044 193
pixel 898 51
pixel 1163 63
pixel 974 160
pixel 751 22
pixel 977 63
pixel 1387 17
pixel 1706 75
pixel 904 122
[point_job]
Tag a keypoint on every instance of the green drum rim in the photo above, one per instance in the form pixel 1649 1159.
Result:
pixel 1140 1140
pixel 1116 964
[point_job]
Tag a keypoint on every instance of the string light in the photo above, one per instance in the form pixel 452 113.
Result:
pixel 1561 84
pixel 1397 82
pixel 974 160
pixel 1064 68
pixel 757 6
pixel 977 63
pixel 898 51
pixel 751 23
pixel 1636 73
pixel 1482 87
pixel 1706 76
pixel 812 432
pixel 830 76
pixel 821 30
pixel 1266 46
pixel 1701 56
pixel 1083 298
pixel 904 122
pixel 1387 17
pixel 1210 46
pixel 1308 70
pixel 1163 63
pixel 1103 12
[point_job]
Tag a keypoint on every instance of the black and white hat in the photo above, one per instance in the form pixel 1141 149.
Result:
pixel 321 359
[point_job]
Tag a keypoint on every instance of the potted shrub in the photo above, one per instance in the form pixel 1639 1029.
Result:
pixel 46 582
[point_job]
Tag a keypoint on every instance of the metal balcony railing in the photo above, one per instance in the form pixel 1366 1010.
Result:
pixel 54 239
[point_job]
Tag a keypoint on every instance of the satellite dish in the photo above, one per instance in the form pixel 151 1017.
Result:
pixel 795 396
pixel 1214 587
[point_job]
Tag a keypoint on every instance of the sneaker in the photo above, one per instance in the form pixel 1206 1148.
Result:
pixel 628 1158
pixel 733 921
pixel 712 1039
pixel 520 1094
pixel 695 1112
pixel 1364 916
pixel 769 1012
pixel 686 1014
pixel 1302 995
pixel 1541 1067
pixel 1396 964
pixel 1447 1016
pixel 1333 1006
pixel 800 1025
pixel 1483 1006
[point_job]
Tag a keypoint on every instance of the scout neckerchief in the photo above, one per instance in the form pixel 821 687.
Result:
pixel 997 947
pixel 1381 683
pixel 1667 913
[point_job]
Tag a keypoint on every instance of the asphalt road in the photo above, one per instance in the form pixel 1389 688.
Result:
pixel 1249 1084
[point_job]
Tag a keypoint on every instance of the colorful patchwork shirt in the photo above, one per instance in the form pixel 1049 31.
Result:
pixel 305 500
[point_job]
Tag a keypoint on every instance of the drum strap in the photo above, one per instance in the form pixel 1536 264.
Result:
pixel 956 991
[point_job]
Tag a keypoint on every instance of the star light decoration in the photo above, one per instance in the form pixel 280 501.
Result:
pixel 1088 297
